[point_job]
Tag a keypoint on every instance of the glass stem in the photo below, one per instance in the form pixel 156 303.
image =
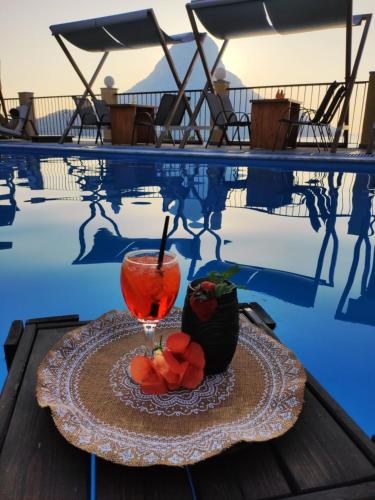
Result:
pixel 149 329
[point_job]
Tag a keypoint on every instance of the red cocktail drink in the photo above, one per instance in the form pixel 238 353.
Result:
pixel 149 290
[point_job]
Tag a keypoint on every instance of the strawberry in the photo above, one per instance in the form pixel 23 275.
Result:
pixel 155 384
pixel 162 367
pixel 192 377
pixel 194 354
pixel 177 342
pixel 176 365
pixel 141 368
pixel 207 286
pixel 203 309
pixel 143 372
pixel 203 300
pixel 179 364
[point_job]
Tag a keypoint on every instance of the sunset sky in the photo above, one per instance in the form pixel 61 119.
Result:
pixel 31 59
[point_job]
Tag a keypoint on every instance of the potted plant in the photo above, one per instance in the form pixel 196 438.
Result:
pixel 210 317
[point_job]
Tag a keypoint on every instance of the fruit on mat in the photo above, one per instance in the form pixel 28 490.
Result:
pixel 179 365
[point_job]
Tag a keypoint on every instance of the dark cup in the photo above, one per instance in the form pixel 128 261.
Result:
pixel 218 336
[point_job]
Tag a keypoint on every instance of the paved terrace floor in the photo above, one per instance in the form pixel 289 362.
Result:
pixel 231 153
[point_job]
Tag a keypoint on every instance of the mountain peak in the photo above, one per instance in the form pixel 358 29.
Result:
pixel 161 79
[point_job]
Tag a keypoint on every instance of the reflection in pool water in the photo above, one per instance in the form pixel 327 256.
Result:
pixel 303 241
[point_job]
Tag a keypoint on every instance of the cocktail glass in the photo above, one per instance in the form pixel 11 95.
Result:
pixel 149 289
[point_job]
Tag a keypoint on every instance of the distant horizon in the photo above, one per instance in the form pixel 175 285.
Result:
pixel 34 62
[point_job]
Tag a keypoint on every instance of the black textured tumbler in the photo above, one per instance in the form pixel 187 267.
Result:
pixel 218 336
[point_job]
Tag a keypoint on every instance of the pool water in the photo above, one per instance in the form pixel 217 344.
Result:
pixel 304 242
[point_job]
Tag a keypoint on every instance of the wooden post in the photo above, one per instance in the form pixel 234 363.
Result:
pixel 109 95
pixel 369 116
pixel 24 98
pixel 220 87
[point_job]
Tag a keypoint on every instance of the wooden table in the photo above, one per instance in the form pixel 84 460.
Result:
pixel 266 130
pixel 324 457
pixel 122 123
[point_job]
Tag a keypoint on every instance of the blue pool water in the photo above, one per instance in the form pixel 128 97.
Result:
pixel 304 241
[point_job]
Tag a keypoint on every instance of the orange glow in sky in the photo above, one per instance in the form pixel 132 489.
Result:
pixel 31 59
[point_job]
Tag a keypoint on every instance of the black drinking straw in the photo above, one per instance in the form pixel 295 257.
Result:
pixel 163 242
pixel 155 306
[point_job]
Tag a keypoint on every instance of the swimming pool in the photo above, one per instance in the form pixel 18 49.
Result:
pixel 303 240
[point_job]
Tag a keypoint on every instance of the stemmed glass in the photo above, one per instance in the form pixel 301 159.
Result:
pixel 150 288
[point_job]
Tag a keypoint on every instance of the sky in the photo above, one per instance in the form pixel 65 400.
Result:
pixel 31 59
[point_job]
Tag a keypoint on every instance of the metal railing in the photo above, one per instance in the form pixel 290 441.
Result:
pixel 75 178
pixel 53 112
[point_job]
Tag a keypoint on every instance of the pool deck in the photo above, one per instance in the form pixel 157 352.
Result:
pixel 231 153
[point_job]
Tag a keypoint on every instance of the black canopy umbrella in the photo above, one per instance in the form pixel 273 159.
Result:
pixel 130 30
pixel 228 19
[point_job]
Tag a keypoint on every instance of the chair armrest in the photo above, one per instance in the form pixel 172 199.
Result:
pixel 241 114
pixel 302 108
pixel 305 116
pixel 228 115
pixel 238 115
pixel 307 112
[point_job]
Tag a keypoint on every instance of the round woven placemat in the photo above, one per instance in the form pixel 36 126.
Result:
pixel 96 406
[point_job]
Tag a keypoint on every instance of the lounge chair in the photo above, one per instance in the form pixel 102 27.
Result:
pixel 91 119
pixel 223 116
pixel 19 131
pixel 320 119
pixel 167 103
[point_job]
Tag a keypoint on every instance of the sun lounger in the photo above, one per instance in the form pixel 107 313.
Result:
pixel 23 118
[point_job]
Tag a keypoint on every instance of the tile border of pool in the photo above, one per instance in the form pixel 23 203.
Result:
pixel 206 154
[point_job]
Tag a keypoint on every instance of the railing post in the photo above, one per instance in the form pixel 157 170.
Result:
pixel 369 115
pixel 109 95
pixel 24 98
pixel 221 86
